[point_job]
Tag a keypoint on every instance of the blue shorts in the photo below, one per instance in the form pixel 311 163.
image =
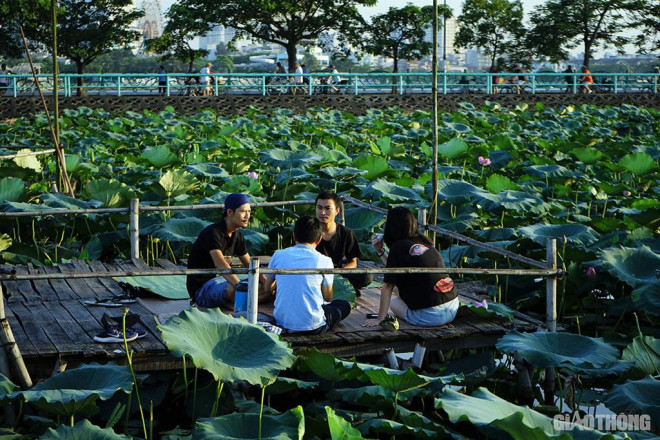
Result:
pixel 213 293
pixel 433 316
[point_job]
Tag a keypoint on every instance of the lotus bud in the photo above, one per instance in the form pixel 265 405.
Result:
pixel 484 161
pixel 593 191
pixel 591 272
pixel 253 175
pixel 626 193
pixel 415 125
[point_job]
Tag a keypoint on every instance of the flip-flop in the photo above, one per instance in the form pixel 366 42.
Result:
pixel 104 302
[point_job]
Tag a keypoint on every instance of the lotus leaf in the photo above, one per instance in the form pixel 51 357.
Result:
pixel 493 415
pixel 644 353
pixel 5 242
pixel 636 397
pixel 587 155
pixel 209 170
pixel 29 162
pixel 549 349
pixel 289 159
pixel 634 266
pixel 382 189
pixel 287 175
pixel 177 182
pixel 341 172
pixel 548 171
pixel 159 156
pixel 361 218
pixel 497 183
pixel 453 149
pixel 181 229
pixel 574 233
pixel 516 201
pixel 111 193
pixel 375 166
pixel 326 366
pixel 256 241
pixel 167 286
pixel 59 200
pixel 340 429
pixel 647 298
pixel 394 429
pixel 237 426
pixel 395 380
pixel 286 385
pixel 638 163
pixel 456 191
pixel 230 349
pixel 82 430
pixel 494 309
pixel 11 189
pixel 76 390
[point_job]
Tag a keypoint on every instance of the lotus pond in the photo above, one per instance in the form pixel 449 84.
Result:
pixel 586 175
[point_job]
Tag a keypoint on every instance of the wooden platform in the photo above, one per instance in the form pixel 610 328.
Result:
pixel 50 321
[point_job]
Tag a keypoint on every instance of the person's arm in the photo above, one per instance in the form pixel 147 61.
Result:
pixel 326 291
pixel 383 307
pixel 221 263
pixel 352 263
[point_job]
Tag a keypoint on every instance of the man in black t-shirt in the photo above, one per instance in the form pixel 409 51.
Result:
pixel 338 241
pixel 214 247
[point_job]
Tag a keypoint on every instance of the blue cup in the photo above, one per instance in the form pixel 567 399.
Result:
pixel 240 298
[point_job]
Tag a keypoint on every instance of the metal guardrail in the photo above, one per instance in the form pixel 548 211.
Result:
pixel 178 84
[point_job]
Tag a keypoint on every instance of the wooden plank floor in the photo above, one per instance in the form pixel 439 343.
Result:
pixel 50 321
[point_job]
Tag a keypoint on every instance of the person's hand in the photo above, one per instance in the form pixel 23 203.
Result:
pixel 371 322
pixel 377 243
pixel 231 290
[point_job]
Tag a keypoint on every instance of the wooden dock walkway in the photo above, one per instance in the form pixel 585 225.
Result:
pixel 51 323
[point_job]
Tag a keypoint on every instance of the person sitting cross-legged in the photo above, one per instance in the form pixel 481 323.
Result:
pixel 303 303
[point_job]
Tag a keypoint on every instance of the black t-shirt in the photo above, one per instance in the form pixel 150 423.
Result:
pixel 212 237
pixel 342 244
pixel 419 290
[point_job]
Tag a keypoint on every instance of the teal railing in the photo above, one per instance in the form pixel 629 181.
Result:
pixel 325 83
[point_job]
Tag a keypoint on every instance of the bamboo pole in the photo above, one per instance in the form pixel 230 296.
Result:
pixel 434 89
pixel 134 227
pixel 421 221
pixel 253 290
pixel 56 99
pixel 551 285
pixel 32 153
pixel 10 347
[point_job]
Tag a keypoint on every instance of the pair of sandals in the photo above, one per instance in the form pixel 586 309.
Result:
pixel 128 295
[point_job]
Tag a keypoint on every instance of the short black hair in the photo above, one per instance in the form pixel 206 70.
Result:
pixel 329 195
pixel 307 229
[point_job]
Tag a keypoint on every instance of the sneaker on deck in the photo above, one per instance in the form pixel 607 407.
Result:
pixel 113 334
pixel 131 319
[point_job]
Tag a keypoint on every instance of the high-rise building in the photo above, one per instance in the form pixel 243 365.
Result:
pixel 452 28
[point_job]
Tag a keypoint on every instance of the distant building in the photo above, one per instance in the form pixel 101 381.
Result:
pixel 219 34
pixel 475 59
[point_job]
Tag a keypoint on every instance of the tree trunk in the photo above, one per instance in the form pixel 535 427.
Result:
pixel 587 53
pixel 80 69
pixel 291 53
pixel 395 69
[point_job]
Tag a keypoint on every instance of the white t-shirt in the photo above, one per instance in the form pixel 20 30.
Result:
pixel 335 76
pixel 299 73
pixel 299 299
pixel 204 79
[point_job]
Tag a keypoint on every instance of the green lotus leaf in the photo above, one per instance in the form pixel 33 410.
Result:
pixel 615 369
pixel 638 163
pixel 76 390
pixel 361 218
pixel 340 429
pixel 587 155
pixel 375 166
pixel 326 366
pixel 636 397
pixel 83 430
pixel 22 207
pixel 289 159
pixel 456 191
pixel 209 170
pixel 340 172
pixel 29 162
pixel 178 182
pixel 256 241
pixel 5 242
pixel 7 387
pixel 644 353
pixel 59 200
pixel 634 266
pixel 287 175
pixel 159 156
pixel 11 189
pixel 492 415
pixel 230 349
pixel 382 189
pixel 497 183
pixel 646 298
pixel 395 380
pixel 549 171
pixel 237 426
pixel 574 233
pixel 167 286
pixel 286 385
pixel 549 349
pixel 111 193
pixel 494 309
pixel 389 149
pixel 413 425
pixel 181 229
pixel 454 148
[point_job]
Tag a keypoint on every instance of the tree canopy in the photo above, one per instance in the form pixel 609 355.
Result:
pixel 399 33
pixel 284 22
pixel 561 25
pixel 496 26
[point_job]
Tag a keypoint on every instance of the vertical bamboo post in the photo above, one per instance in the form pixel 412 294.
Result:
pixel 421 221
pixel 12 351
pixel 341 212
pixel 253 290
pixel 551 285
pixel 134 227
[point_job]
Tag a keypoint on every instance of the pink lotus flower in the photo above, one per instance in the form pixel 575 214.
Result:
pixel 626 193
pixel 484 161
pixel 483 304
pixel 253 175
pixel 591 272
